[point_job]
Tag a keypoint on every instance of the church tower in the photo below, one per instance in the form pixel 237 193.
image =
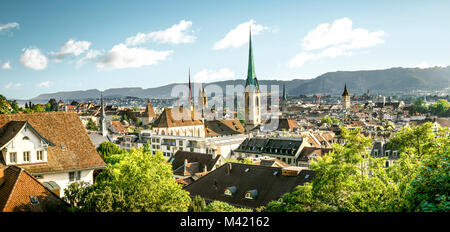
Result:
pixel 191 100
pixel 252 93
pixel 202 100
pixel 345 99
pixel 103 129
pixel 284 100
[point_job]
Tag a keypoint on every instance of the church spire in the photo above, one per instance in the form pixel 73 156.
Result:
pixel 284 93
pixel 345 93
pixel 251 75
pixel 103 129
pixel 191 100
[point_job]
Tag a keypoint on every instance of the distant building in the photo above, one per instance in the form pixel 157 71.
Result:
pixel 345 99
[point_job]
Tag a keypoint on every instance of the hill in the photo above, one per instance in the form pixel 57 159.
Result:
pixel 388 81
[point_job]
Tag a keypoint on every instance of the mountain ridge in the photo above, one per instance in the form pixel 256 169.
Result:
pixel 383 81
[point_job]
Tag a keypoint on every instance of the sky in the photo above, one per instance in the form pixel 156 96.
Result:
pixel 61 45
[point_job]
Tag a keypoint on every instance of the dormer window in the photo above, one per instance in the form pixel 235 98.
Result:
pixel 252 194
pixel 230 191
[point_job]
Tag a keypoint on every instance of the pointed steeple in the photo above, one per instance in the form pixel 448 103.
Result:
pixel 191 100
pixel 103 129
pixel 284 93
pixel 345 93
pixel 251 75
pixel 190 90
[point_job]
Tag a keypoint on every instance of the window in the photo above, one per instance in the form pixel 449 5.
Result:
pixel 74 176
pixel 13 157
pixel 375 152
pixel 387 164
pixel 386 153
pixel 180 143
pixel 228 192
pixel 39 155
pixel 26 156
pixel 248 196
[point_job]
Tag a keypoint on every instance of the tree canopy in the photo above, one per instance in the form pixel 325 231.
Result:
pixel 349 179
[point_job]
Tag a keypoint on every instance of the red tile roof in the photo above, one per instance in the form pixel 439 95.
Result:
pixel 17 187
pixel 73 148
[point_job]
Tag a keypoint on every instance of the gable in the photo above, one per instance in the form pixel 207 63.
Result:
pixel 72 148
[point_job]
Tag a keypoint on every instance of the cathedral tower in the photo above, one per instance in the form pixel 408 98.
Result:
pixel 252 93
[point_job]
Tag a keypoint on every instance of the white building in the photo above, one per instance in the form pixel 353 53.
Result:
pixel 173 130
pixel 54 147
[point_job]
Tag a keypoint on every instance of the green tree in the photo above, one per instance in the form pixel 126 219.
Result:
pixel 429 191
pixel 106 149
pixel 347 179
pixel 139 182
pixel 330 120
pixel 77 194
pixel 440 108
pixel 219 206
pixel 91 125
pixel 197 204
pixel 418 106
pixel 5 107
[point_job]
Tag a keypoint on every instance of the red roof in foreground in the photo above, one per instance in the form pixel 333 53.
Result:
pixel 21 192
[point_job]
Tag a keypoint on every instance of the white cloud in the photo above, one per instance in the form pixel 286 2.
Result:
pixel 335 39
pixel 11 85
pixel 425 65
pixel 177 34
pixel 213 75
pixel 71 47
pixel 90 55
pixel 32 58
pixel 45 84
pixel 6 65
pixel 121 56
pixel 9 26
pixel 239 35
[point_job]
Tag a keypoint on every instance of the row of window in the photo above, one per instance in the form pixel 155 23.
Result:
pixel 26 156
pixel 386 153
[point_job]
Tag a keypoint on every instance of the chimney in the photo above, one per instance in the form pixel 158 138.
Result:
pixel 205 168
pixel 291 171
pixel 228 168
pixel 185 166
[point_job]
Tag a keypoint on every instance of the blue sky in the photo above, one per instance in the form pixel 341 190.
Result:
pixel 50 46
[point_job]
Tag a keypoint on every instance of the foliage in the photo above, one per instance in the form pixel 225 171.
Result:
pixel 219 206
pixel 5 107
pixel 138 182
pixel 430 189
pixel 348 179
pixel 418 106
pixel 241 161
pixel 106 149
pixel 330 120
pixel 91 125
pixel 197 204
pixel 77 194
pixel 440 108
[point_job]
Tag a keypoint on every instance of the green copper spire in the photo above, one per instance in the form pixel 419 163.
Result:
pixel 251 76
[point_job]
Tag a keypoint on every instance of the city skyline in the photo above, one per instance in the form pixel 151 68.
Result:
pixel 44 48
